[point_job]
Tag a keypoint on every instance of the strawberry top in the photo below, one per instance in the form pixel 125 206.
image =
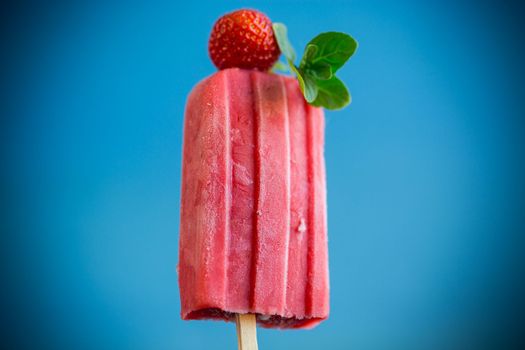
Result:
pixel 243 39
pixel 248 39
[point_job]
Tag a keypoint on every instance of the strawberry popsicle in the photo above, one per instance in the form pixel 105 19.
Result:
pixel 253 235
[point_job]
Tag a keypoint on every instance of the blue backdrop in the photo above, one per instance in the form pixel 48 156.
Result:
pixel 425 174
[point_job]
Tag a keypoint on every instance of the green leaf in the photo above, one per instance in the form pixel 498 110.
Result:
pixel 298 75
pixel 309 54
pixel 320 71
pixel 332 94
pixel 280 67
pixel 322 57
pixel 281 35
pixel 333 48
pixel 306 83
pixel 311 89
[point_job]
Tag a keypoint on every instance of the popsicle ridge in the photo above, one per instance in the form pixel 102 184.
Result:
pixel 317 282
pixel 273 200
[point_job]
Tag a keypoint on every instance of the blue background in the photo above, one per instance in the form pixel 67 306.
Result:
pixel 425 174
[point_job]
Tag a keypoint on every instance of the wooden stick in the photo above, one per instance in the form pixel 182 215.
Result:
pixel 246 331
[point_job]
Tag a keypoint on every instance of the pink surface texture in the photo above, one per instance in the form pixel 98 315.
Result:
pixel 253 235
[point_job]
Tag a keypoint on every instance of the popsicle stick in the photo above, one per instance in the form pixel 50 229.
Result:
pixel 246 331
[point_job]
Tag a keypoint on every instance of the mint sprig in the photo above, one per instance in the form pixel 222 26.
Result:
pixel 323 56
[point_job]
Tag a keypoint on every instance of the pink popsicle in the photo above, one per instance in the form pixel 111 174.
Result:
pixel 253 210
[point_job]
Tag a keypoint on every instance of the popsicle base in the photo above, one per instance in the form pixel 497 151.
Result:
pixel 266 321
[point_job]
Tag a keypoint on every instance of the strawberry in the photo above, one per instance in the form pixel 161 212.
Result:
pixel 243 39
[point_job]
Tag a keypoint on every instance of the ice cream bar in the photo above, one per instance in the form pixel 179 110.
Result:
pixel 253 209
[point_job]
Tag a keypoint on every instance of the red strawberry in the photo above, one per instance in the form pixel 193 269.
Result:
pixel 243 39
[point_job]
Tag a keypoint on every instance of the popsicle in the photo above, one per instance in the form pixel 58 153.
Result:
pixel 253 232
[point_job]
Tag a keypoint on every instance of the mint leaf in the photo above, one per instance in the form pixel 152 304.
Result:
pixel 322 57
pixel 332 94
pixel 298 75
pixel 309 54
pixel 320 71
pixel 333 48
pixel 311 89
pixel 281 35
pixel 306 83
